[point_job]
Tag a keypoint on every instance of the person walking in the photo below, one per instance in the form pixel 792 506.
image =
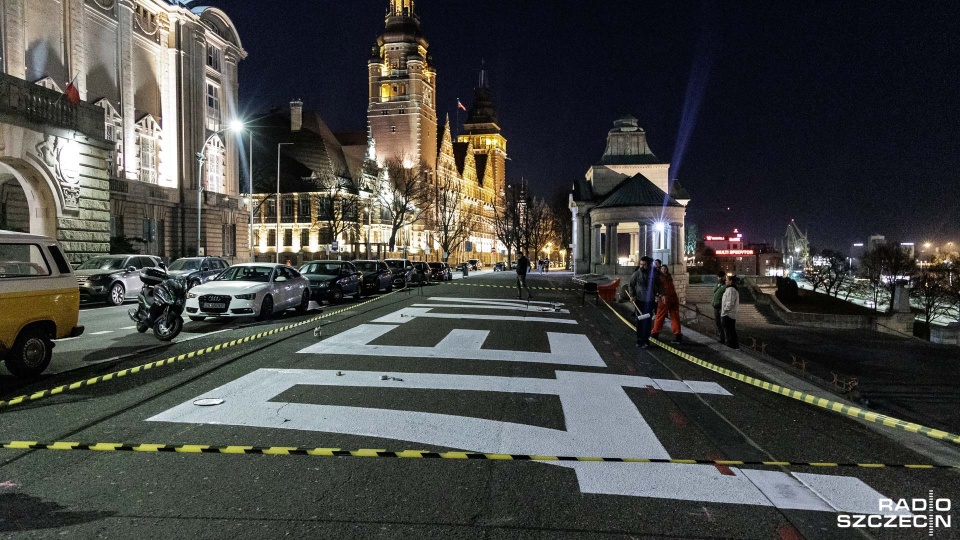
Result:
pixel 644 290
pixel 669 305
pixel 717 303
pixel 523 265
pixel 728 312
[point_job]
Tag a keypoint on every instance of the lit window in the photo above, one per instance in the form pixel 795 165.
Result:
pixel 213 107
pixel 213 166
pixel 214 57
pixel 148 159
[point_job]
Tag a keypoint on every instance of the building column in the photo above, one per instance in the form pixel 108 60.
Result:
pixel 677 244
pixel 14 46
pixel 74 35
pixel 612 247
pixel 595 244
pixel 131 164
pixel 643 239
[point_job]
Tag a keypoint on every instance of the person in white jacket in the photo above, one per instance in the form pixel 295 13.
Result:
pixel 728 312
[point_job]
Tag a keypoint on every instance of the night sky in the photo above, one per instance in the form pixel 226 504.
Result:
pixel 842 116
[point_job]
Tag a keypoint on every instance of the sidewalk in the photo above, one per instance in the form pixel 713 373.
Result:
pixel 933 412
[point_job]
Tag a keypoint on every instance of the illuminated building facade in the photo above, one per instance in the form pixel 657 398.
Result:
pixel 731 254
pixel 626 207
pixel 152 80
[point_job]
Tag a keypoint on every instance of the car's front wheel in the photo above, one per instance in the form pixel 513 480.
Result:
pixel 336 295
pixel 266 309
pixel 30 354
pixel 304 302
pixel 116 294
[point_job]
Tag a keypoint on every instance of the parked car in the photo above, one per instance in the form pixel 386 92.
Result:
pixel 333 280
pixel 113 278
pixel 421 272
pixel 460 267
pixel 402 271
pixel 250 290
pixel 475 264
pixel 39 301
pixel 500 266
pixel 440 271
pixel 513 265
pixel 197 270
pixel 376 276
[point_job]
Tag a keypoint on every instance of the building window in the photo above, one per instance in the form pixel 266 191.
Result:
pixel 229 241
pixel 304 238
pixel 214 178
pixel 148 159
pixel 116 225
pixel 287 207
pixel 214 58
pixel 287 237
pixel 271 238
pixel 213 107
pixel 303 213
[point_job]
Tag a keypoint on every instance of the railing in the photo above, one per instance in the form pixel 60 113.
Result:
pixel 39 105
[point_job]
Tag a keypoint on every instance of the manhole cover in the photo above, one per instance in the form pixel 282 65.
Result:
pixel 208 402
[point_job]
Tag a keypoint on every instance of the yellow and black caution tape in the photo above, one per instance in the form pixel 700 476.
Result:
pixel 173 359
pixel 514 287
pixel 811 399
pixel 425 454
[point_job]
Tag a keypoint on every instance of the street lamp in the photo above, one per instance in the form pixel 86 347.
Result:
pixel 278 197
pixel 236 126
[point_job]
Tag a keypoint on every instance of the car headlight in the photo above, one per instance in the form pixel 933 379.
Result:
pixel 96 277
pixel 191 295
pixel 250 296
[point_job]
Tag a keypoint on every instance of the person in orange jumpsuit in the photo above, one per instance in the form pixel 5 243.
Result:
pixel 668 305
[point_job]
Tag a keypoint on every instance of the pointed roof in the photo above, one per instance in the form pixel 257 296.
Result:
pixel 637 191
pixel 627 145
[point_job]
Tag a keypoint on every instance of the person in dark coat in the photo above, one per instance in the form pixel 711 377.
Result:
pixel 523 265
pixel 669 305
pixel 717 302
pixel 729 308
pixel 644 291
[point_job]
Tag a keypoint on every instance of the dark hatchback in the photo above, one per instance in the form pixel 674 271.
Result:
pixel 376 276
pixel 402 271
pixel 332 280
pixel 440 271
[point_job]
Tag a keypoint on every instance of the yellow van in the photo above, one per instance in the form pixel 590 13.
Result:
pixel 39 301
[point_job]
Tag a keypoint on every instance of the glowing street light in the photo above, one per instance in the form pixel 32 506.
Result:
pixel 237 127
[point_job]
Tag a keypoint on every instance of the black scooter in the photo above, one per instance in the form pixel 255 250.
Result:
pixel 160 304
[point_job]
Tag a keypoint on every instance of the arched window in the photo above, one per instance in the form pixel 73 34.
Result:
pixel 214 178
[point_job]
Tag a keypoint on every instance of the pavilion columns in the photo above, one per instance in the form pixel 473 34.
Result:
pixel 634 246
pixel 676 244
pixel 595 243
pixel 645 234
pixel 612 250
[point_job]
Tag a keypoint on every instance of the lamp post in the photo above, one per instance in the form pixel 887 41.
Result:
pixel 279 145
pixel 367 212
pixel 236 126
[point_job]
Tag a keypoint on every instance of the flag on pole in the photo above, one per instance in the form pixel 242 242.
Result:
pixel 72 92
pixel 460 105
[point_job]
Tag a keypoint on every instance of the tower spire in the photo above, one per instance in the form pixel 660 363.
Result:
pixel 401 8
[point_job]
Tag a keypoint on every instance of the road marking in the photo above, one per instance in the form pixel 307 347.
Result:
pixel 100 333
pixel 565 349
pixel 129 327
pixel 600 419
pixel 408 314
pixel 531 309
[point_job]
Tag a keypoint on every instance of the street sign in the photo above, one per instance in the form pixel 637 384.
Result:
pixel 333 247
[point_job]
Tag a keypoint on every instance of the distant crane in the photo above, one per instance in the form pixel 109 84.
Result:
pixel 796 246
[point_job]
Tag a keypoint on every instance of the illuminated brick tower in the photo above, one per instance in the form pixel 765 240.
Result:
pixel 483 130
pixel 402 112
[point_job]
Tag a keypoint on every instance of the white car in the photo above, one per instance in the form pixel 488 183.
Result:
pixel 250 290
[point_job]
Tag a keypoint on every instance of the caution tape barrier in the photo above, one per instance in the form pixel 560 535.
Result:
pixel 173 359
pixel 810 399
pixel 514 287
pixel 423 454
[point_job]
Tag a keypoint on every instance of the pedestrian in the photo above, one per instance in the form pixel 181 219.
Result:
pixel 728 312
pixel 523 264
pixel 540 266
pixel 644 290
pixel 669 304
pixel 289 263
pixel 718 303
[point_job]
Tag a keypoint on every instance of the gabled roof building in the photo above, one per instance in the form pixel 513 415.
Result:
pixel 626 207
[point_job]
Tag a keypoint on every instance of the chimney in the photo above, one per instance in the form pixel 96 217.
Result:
pixel 296 115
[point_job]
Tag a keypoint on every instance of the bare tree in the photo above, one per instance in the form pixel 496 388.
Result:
pixel 884 266
pixel 337 210
pixel 506 220
pixel 405 195
pixel 451 219
pixel 537 226
pixel 933 290
pixel 562 222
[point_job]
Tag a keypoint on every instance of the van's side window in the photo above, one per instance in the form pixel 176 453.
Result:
pixel 22 260
pixel 60 260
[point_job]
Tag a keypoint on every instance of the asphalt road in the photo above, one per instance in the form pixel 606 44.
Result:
pixel 464 366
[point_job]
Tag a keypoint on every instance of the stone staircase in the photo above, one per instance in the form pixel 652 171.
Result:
pixel 701 296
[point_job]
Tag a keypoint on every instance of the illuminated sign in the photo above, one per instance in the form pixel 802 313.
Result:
pixel 734 252
pixel 716 239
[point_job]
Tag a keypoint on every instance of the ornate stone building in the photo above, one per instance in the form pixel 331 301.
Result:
pixel 155 80
pixel 622 210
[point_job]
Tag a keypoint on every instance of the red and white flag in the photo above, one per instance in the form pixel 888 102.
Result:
pixel 460 105
pixel 72 92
